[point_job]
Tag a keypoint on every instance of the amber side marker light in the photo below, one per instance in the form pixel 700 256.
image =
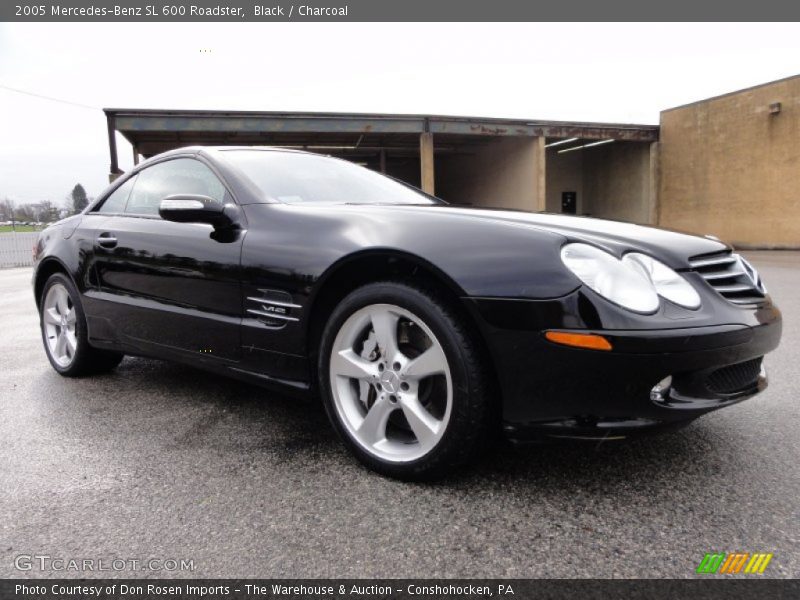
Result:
pixel 579 340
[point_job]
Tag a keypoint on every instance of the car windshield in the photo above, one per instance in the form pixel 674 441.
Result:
pixel 295 178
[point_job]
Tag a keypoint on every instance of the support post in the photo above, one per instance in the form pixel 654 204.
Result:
pixel 654 207
pixel 540 158
pixel 426 162
pixel 135 156
pixel 113 170
pixel 383 160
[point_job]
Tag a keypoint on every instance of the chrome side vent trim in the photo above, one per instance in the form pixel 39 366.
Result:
pixel 273 308
pixel 269 315
pixel 731 276
pixel 274 302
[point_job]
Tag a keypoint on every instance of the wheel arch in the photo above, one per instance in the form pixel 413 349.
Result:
pixel 371 266
pixel 46 268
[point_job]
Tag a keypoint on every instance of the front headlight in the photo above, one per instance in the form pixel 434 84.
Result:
pixel 611 278
pixel 635 282
pixel 668 283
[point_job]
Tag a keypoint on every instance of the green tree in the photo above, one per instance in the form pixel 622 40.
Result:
pixel 79 198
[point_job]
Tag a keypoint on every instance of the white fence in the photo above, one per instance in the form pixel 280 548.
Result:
pixel 16 249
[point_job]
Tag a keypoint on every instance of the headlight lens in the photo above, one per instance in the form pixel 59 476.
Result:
pixel 635 282
pixel 611 278
pixel 668 283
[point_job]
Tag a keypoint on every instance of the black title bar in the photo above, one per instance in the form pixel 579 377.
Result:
pixel 712 588
pixel 396 10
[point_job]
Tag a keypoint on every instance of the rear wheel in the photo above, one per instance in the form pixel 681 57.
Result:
pixel 404 382
pixel 64 332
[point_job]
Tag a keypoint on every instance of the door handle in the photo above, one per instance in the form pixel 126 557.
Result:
pixel 106 240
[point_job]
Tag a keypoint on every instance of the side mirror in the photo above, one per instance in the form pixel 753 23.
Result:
pixel 193 208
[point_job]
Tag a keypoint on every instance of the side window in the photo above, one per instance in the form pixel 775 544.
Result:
pixel 178 176
pixel 115 203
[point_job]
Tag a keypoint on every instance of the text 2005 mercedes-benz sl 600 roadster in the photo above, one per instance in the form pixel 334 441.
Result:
pixel 425 328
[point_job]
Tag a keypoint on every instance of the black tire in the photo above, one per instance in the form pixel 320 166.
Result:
pixel 86 359
pixel 472 422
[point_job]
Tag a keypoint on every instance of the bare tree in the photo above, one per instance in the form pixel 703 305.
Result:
pixel 25 212
pixel 46 211
pixel 7 210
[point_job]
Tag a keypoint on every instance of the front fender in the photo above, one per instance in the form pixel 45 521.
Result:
pixel 483 257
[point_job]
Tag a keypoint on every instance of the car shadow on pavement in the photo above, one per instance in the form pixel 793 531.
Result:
pixel 692 459
pixel 175 407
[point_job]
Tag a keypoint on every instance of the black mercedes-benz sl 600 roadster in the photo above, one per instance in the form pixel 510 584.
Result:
pixel 425 328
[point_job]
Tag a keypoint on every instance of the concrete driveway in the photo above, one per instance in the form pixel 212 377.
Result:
pixel 162 462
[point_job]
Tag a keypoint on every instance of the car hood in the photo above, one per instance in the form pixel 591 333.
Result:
pixel 672 247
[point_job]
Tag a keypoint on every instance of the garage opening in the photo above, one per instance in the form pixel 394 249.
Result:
pixel 498 172
pixel 612 179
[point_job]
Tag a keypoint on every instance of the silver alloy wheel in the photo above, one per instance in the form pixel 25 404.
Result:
pixel 391 383
pixel 58 321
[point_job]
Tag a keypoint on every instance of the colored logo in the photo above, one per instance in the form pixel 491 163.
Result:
pixel 735 562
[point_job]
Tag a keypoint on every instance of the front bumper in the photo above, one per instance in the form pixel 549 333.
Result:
pixel 555 391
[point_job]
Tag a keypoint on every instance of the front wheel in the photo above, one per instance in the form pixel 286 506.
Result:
pixel 65 334
pixel 404 381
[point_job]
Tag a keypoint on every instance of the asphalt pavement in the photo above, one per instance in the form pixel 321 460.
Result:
pixel 158 461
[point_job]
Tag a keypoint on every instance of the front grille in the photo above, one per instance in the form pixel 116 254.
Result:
pixel 732 276
pixel 735 378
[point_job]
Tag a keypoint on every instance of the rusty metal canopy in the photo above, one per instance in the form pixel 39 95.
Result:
pixel 153 131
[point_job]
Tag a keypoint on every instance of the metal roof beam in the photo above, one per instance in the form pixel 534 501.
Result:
pixel 265 124
pixel 568 130
pixel 135 122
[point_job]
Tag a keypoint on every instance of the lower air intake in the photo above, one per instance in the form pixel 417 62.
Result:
pixel 735 378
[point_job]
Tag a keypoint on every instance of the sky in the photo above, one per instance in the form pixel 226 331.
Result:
pixel 623 73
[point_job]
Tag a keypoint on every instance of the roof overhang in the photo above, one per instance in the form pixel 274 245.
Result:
pixel 154 131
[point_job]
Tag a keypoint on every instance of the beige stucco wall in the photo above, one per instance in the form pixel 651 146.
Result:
pixel 730 168
pixel 506 173
pixel 617 180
